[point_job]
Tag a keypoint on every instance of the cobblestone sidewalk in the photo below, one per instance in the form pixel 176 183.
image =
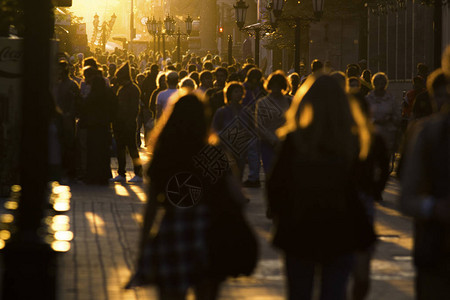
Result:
pixel 105 222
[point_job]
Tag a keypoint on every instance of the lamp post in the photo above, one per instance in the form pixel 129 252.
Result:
pixel 152 28
pixel 241 13
pixel 230 50
pixel 169 24
pixel 277 10
pixel 159 33
pixel 188 23
pixel 169 29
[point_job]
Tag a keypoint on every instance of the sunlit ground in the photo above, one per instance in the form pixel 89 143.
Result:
pixel 106 220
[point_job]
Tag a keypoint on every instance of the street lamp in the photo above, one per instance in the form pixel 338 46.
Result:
pixel 277 9
pixel 241 13
pixel 159 33
pixel 318 8
pixel 253 29
pixel 152 28
pixel 188 23
pixel 169 25
pixel 170 30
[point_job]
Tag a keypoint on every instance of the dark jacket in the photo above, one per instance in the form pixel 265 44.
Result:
pixel 127 107
pixel 317 214
pixel 148 86
pixel 426 173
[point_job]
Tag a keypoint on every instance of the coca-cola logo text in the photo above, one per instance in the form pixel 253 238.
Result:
pixel 8 54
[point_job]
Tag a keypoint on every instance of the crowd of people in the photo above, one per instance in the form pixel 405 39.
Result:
pixel 324 140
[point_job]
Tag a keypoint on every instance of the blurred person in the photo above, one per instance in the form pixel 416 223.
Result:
pixel 111 74
pixel 97 114
pixel 191 68
pixel 195 76
pixel 409 100
pixel 74 73
pixel 91 62
pixel 422 71
pixel 429 102
pixel 149 84
pixel 143 63
pixel 80 58
pixel 432 100
pixel 220 77
pixel 340 78
pixel 362 64
pixel 188 83
pixel 125 124
pixel 142 108
pixel 438 87
pixel 217 61
pixel 254 90
pixel 312 190
pixel 231 121
pixel 234 77
pixel 206 81
pixel 366 85
pixel 163 97
pixel 161 86
pixel 353 70
pixel 270 115
pixel 182 74
pixel 199 64
pixel 244 71
pixel 177 253
pixel 353 85
pixel 148 112
pixel 425 196
pixel 208 66
pixel 316 66
pixel 105 71
pixel 302 72
pixel 67 96
pixel 231 70
pixel 372 174
pixel 294 81
pixel 216 95
pixel 353 89
pixel 384 111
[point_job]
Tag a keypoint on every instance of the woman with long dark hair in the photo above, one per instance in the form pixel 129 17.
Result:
pixel 312 191
pixel 175 246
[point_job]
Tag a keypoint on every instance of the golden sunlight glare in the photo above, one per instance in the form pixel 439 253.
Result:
pixel 103 8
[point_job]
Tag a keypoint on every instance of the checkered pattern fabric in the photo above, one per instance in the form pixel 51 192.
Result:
pixel 179 251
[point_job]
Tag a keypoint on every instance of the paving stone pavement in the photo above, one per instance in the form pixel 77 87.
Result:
pixel 105 222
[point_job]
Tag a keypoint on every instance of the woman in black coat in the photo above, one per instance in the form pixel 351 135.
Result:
pixel 312 190
pixel 97 111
